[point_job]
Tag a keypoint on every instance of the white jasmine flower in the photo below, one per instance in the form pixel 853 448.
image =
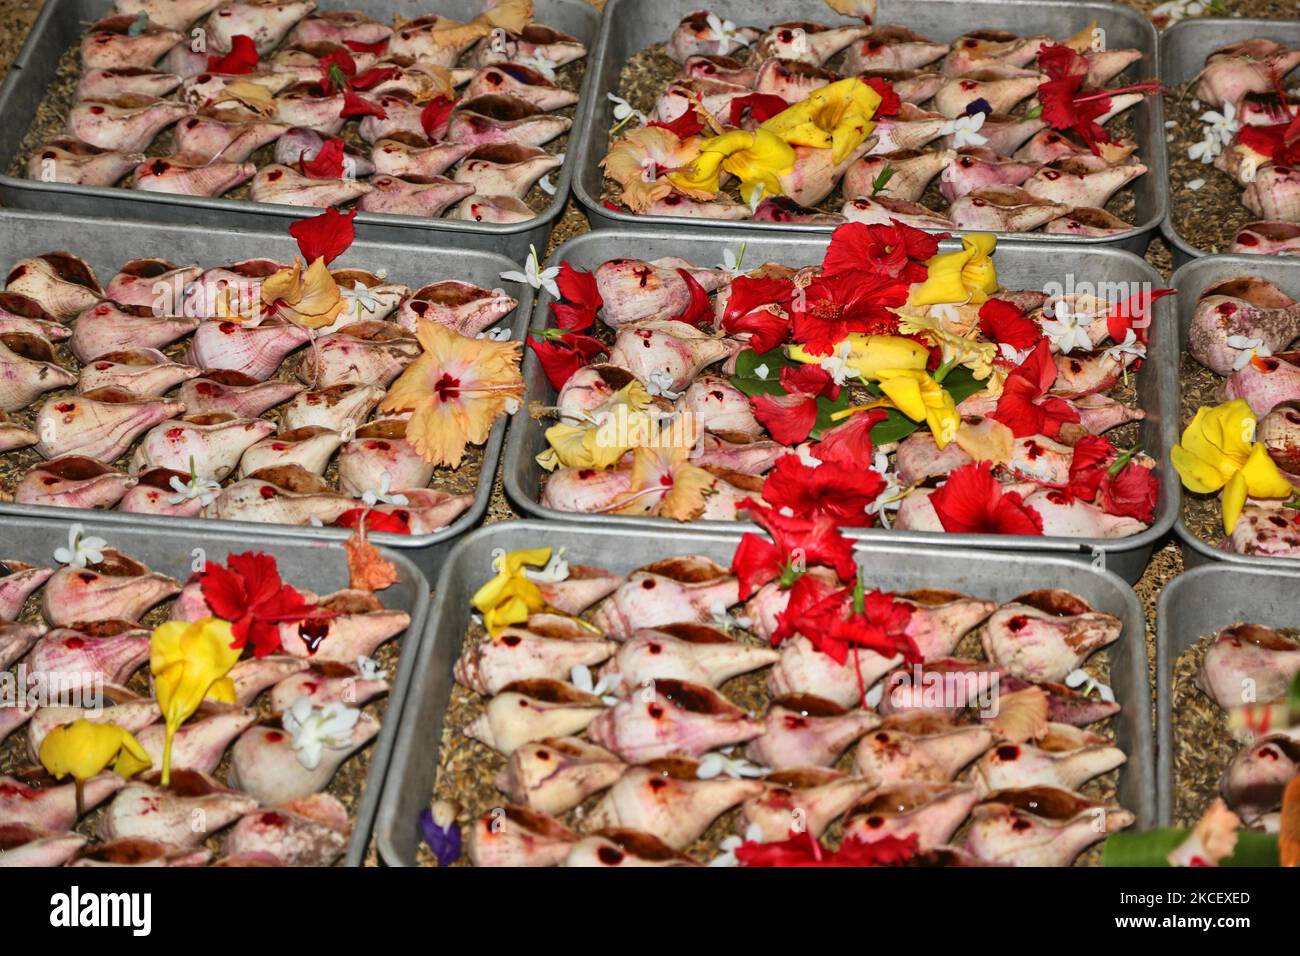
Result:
pixel 716 764
pixel 1247 349
pixel 624 111
pixel 1088 685
pixel 204 489
pixel 1068 332
pixel 1130 346
pixel 360 300
pixel 556 570
pixel 837 364
pixel 728 34
pixel 384 494
pixel 580 677
pixel 316 729
pixel 82 549
pixel 729 845
pixel 535 276
pixel 661 383
pixel 890 498
pixel 731 261
pixel 1224 124
pixel 1208 148
pixel 965 131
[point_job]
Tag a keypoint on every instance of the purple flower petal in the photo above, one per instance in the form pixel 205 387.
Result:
pixel 445 843
pixel 980 105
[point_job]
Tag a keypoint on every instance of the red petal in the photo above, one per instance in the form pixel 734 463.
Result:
pixel 436 116
pixel 328 163
pixel 972 502
pixel 343 60
pixel 223 590
pixel 761 106
pixel 698 312
pixel 849 442
pixel 579 287
pixel 1134 313
pixel 756 562
pixel 810 380
pixel 376 521
pixel 373 77
pixel 241 59
pixel 1131 493
pixel 561 357
pixel 356 46
pixel 767 329
pixel 787 418
pixel 354 105
pixel 1092 456
pixel 1003 323
pixel 685 126
pixel 326 236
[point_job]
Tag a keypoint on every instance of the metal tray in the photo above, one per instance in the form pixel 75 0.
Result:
pixel 1190 279
pixel 630 26
pixel 996 576
pixel 1202 602
pixel 106 245
pixel 1183 49
pixel 318 566
pixel 60 27
pixel 1021 265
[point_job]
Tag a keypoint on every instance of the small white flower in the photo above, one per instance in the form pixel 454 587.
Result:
pixel 756 197
pixel 204 489
pixel 580 677
pixel 1206 149
pixel 1088 685
pixel 761 371
pixel 535 276
pixel 1195 184
pixel 1224 124
pixel 890 498
pixel 360 299
pixel 314 729
pixel 732 261
pixel 729 845
pixel 716 764
pixel 624 111
pixel 82 549
pixel 661 383
pixel 724 620
pixel 369 668
pixel 965 131
pixel 1068 332
pixel 1247 348
pixel 727 33
pixel 837 364
pixel 384 494
pixel 1130 346
pixel 556 570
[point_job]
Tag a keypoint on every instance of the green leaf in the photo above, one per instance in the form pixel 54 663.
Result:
pixel 881 181
pixel 1293 696
pixel 1034 113
pixel 747 379
pixel 1153 847
pixel 961 383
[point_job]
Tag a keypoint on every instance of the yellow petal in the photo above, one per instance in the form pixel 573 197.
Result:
pixel 905 392
pixel 944 281
pixel 283 286
pixel 132 758
pixel 1263 478
pixel 319 301
pixel 1198 474
pixel 1234 499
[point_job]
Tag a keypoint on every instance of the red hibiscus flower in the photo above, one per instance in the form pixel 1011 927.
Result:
pixel 1005 324
pixel 390 522
pixel 1092 457
pixel 898 251
pixel 1280 142
pixel 842 491
pixel 760 106
pixel 790 418
pixel 759 306
pixel 876 622
pixel 1132 492
pixel 337 68
pixel 797 544
pixel 328 163
pixel 354 105
pixel 581 299
pixel 849 443
pixel 685 126
pixel 812 598
pixel 241 59
pixel 1024 406
pixel 326 236
pixel 563 353
pixel 249 593
pixel 1133 313
pixel 890 102
pixel 972 502
pixel 803 850
pixel 833 306
pixel 436 116
pixel 1063 106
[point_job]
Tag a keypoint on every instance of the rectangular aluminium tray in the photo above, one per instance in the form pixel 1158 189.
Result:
pixel 319 566
pixel 1021 265
pixel 1183 49
pixel 1190 279
pixel 997 576
pixel 107 245
pixel 629 26
pixel 1202 602
pixel 60 27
